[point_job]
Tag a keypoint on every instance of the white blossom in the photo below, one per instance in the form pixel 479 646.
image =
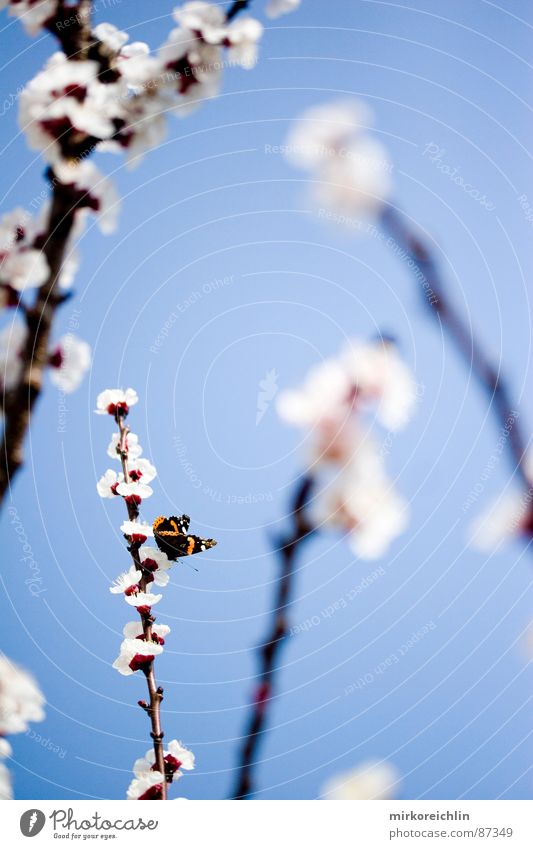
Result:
pixel 6 789
pixel 325 393
pixel 97 192
pixel 142 600
pixel 133 449
pixel 135 488
pixel 363 374
pixel 507 518
pixel 107 485
pixel 380 376
pixel 147 787
pixel 21 700
pixel 22 266
pixel 276 8
pixel 242 38
pixel 350 168
pixel 66 104
pixel 127 581
pixel 110 399
pixel 70 361
pixel 135 654
pixel 177 757
pixel 371 780
pixel 134 631
pixel 111 36
pixel 157 563
pixel 142 469
pixel 34 14
pixel 137 529
pixel 193 50
pixel 12 341
pixel 362 501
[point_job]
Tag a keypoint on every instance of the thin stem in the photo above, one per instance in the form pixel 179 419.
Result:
pixel 269 652
pixel 460 332
pixel 155 693
pixel 236 7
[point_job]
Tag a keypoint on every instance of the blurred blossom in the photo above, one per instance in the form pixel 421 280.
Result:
pixel 66 108
pixel 22 265
pixel 362 501
pixel 70 361
pixel 511 516
pixel 350 169
pixel 21 700
pixel 95 191
pixel 117 100
pixel 6 790
pixel 353 492
pixel 34 14
pixel 276 8
pixel 371 780
pixel 12 341
pixel 364 374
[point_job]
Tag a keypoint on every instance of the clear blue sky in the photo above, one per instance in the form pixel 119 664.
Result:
pixel 212 203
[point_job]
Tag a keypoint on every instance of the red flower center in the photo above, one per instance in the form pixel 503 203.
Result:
pixel 140 661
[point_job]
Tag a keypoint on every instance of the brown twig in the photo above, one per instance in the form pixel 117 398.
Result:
pixel 459 331
pixel 236 7
pixel 269 651
pixel 155 693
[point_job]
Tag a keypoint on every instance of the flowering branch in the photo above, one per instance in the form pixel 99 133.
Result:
pixel 98 92
pixel 352 181
pixel 459 331
pixel 155 693
pixel 288 549
pixel 360 500
pixel 19 402
pixel 143 642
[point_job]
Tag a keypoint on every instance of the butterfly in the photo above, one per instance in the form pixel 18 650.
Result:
pixel 173 540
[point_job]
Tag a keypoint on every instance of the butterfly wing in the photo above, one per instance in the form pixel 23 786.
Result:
pixel 181 523
pixel 195 544
pixel 172 539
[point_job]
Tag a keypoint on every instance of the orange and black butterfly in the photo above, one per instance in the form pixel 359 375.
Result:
pixel 173 540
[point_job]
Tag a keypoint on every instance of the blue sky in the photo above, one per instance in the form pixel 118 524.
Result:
pixel 219 230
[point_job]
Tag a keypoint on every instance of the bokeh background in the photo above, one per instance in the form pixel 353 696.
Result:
pixel 217 229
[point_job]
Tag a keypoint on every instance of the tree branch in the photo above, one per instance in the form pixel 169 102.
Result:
pixel 269 652
pixel 18 404
pixel 460 333
pixel 155 693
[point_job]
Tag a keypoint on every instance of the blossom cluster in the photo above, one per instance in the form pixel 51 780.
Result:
pixel 350 169
pixel 148 780
pixel 21 702
pixel 356 493
pixel 144 638
pixel 117 96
